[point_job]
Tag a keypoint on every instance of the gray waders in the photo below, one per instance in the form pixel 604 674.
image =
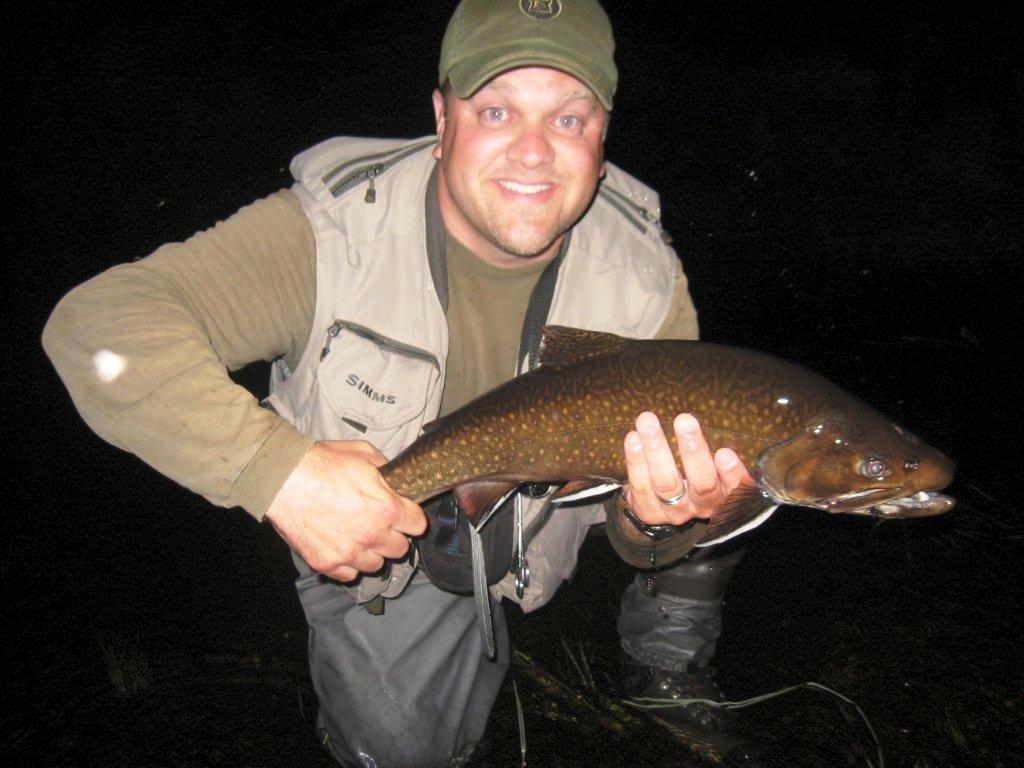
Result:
pixel 413 686
pixel 671 618
pixel 410 687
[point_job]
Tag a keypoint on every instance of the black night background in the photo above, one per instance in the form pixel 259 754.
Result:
pixel 844 188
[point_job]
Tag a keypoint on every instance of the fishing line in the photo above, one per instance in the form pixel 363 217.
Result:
pixel 645 702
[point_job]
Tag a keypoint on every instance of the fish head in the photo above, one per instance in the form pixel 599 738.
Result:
pixel 857 463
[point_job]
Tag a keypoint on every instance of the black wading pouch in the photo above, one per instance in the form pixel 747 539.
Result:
pixel 444 550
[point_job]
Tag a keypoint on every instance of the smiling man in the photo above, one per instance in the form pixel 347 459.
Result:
pixel 394 282
pixel 519 162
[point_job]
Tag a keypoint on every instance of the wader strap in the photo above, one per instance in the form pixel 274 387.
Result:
pixel 537 310
pixel 435 241
pixel 480 592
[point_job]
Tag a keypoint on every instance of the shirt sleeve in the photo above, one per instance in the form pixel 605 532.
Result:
pixel 145 349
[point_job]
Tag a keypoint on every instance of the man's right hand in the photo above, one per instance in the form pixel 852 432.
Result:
pixel 338 514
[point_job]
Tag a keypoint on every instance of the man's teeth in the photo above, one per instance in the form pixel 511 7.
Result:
pixel 524 189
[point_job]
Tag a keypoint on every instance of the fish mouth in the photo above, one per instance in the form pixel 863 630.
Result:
pixel 879 502
pixel 921 504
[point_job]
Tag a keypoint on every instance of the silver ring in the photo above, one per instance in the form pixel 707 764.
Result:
pixel 674 500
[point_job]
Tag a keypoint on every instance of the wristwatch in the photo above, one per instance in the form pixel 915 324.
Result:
pixel 655 532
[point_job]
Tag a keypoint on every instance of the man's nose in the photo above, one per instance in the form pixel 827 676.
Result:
pixel 531 148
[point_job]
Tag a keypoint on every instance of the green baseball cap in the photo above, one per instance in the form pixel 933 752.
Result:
pixel 487 37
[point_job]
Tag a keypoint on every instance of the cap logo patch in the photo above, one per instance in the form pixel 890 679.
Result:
pixel 541 10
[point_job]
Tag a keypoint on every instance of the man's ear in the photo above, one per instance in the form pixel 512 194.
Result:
pixel 438 121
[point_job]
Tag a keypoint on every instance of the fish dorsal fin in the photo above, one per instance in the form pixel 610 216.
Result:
pixel 745 508
pixel 477 497
pixel 563 346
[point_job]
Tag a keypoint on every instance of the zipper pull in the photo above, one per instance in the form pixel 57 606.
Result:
pixel 333 331
pixel 371 193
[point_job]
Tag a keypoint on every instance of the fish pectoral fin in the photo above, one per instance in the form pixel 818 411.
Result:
pixel 477 498
pixel 745 508
pixel 577 490
pixel 431 426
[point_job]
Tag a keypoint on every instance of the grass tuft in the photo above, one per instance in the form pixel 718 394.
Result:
pixel 127 668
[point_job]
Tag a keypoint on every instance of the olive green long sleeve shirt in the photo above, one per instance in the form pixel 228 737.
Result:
pixel 144 350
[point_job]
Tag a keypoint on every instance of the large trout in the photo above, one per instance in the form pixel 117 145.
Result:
pixel 805 441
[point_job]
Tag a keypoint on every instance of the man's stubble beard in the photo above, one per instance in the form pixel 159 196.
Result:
pixel 523 233
pixel 525 242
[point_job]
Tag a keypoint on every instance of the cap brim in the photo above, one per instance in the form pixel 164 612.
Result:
pixel 469 76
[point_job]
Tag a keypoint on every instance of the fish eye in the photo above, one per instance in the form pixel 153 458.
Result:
pixel 876 469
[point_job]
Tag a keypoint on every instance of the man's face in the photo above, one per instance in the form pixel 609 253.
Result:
pixel 519 162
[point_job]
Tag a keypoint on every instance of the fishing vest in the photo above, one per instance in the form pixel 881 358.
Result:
pixel 374 365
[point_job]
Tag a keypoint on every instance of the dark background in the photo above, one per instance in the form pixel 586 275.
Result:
pixel 844 188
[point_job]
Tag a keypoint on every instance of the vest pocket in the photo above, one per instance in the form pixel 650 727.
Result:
pixel 371 382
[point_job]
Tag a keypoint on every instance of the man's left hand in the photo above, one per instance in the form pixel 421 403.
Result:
pixel 654 476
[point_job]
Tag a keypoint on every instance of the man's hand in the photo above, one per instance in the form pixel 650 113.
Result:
pixel 654 476
pixel 337 512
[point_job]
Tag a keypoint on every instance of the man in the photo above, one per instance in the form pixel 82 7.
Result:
pixel 393 283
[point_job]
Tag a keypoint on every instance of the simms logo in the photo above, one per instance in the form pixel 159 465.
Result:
pixel 369 391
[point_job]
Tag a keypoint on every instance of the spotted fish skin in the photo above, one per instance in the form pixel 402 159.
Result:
pixel 566 420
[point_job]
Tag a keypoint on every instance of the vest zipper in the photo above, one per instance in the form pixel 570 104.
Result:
pixel 627 207
pixel 364 158
pixel 351 178
pixel 382 341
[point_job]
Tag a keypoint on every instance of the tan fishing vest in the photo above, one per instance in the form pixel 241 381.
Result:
pixel 373 368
